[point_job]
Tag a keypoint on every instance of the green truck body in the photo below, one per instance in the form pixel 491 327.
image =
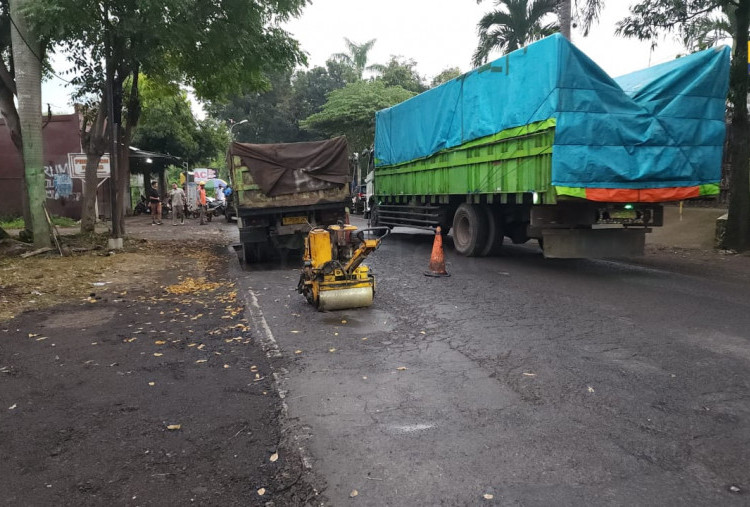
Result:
pixel 500 187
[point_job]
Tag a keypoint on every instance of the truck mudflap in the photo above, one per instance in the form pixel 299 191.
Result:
pixel 594 243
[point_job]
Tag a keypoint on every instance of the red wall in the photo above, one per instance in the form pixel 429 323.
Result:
pixel 60 136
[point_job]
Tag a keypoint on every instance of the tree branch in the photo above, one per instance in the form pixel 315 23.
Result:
pixel 7 78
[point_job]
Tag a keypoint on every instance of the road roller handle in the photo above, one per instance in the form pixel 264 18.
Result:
pixel 366 247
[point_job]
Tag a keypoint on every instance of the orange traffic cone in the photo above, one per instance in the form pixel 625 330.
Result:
pixel 437 261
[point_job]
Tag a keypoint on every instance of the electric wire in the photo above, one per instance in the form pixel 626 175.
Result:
pixel 40 60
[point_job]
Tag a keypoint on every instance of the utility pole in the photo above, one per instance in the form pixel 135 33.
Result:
pixel 113 116
pixel 27 56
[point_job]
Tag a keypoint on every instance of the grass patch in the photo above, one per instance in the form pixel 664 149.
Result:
pixel 17 223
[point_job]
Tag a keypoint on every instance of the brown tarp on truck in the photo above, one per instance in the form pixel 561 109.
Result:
pixel 295 167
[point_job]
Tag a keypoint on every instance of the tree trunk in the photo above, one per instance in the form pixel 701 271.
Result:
pixel 95 143
pixel 123 178
pixel 563 16
pixel 738 222
pixel 27 56
pixel 131 121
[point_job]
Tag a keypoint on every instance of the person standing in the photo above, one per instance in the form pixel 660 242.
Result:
pixel 202 201
pixel 177 195
pixel 220 194
pixel 154 202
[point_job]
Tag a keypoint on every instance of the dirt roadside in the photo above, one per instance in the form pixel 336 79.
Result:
pixel 134 378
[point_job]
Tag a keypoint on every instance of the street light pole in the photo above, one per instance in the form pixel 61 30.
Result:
pixel 231 133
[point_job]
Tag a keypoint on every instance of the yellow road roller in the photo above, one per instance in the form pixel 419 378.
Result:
pixel 333 276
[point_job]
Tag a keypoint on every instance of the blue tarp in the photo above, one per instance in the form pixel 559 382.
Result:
pixel 659 127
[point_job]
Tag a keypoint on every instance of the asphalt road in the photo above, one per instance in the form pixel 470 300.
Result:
pixel 539 382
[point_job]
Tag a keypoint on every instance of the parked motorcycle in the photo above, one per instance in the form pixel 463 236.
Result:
pixel 141 207
pixel 215 208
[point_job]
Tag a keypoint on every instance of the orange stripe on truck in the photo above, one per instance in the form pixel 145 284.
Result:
pixel 642 195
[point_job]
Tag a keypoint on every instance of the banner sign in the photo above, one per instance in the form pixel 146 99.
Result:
pixel 77 163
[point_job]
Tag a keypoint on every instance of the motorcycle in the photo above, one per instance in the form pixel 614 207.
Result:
pixel 141 207
pixel 215 208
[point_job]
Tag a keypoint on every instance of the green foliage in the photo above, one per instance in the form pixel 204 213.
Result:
pixel 398 72
pixel 351 111
pixel 274 115
pixel 12 223
pixel 167 125
pixel 218 47
pixel 513 25
pixel 445 76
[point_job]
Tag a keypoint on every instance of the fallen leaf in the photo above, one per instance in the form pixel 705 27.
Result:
pixel 257 375
pixel 41 338
pixel 591 389
pixel 335 334
pixel 353 493
pixel 530 374
pixel 332 349
pixel 152 383
pixel 253 368
pixel 262 491
pixel 160 342
pixel 294 332
pixel 129 340
pixel 364 339
pixel 158 354
pixel 274 457
pixel 12 407
pixel 32 335
pixel 343 322
pixel 201 360
pixel 298 351
pixel 401 368
pixel 422 332
pixel 192 344
pixel 488 496
pixel 173 427
pixel 94 343
pixel 201 346
pixel 364 378
pixel 226 366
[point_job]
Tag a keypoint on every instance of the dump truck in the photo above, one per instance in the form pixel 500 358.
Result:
pixel 281 191
pixel 543 144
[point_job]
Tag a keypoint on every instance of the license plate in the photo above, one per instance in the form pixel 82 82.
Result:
pixel 622 214
pixel 293 220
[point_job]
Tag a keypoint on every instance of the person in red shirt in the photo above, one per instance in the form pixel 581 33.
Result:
pixel 202 201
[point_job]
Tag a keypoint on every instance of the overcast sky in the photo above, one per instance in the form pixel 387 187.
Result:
pixel 437 34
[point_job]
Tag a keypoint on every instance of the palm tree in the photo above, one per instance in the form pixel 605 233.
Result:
pixel 356 55
pixel 709 31
pixel 514 24
pixel 588 12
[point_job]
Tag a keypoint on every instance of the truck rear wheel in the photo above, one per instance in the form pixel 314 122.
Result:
pixel 470 230
pixel 495 232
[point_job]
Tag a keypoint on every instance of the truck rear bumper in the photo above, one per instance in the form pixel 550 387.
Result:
pixel 594 243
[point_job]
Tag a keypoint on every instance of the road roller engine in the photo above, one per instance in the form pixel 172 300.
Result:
pixel 333 276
